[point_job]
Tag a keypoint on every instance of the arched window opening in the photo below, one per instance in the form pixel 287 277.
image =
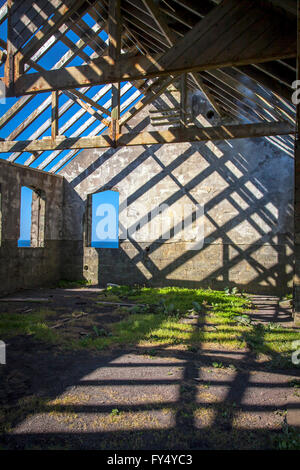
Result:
pixel 32 218
pixel 105 220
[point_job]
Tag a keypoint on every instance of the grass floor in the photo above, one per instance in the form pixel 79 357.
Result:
pixel 159 317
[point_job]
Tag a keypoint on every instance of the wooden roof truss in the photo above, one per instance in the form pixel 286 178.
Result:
pixel 240 55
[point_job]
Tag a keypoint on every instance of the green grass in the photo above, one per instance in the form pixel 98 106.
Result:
pixel 161 330
pixel 181 298
pixel 288 439
pixel 157 320
pixel 14 324
pixel 222 317
pixel 63 284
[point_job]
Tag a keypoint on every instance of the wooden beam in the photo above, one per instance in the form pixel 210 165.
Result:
pixel 176 135
pixel 115 110
pixel 54 115
pixel 183 101
pixel 96 131
pixel 25 99
pixel 41 36
pixel 148 99
pixel 172 38
pixel 3 57
pixel 19 105
pixel 266 81
pixel 289 6
pixel 84 97
pixel 258 95
pixel 66 125
pixel 9 63
pixel 200 9
pixel 114 29
pixel 114 50
pixel 279 72
pixel 87 107
pixel 205 90
pixel 245 35
pixel 155 12
pixel 195 134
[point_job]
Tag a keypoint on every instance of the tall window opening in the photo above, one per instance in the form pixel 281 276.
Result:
pixel 105 219
pixel 32 218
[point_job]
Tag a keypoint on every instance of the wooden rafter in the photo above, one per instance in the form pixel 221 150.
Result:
pixel 41 36
pixel 98 106
pixel 148 99
pixel 266 81
pixel 231 16
pixel 94 132
pixel 151 30
pixel 81 99
pixel 24 100
pixel 205 89
pixel 171 37
pixel 74 95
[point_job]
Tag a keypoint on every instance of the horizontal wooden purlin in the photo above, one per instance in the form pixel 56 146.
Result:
pixel 171 136
pixel 228 36
pixel 196 134
pixel 60 143
pixel 122 70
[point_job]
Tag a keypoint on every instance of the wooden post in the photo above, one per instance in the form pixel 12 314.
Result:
pixel 54 115
pixel 115 111
pixel 297 191
pixel 183 101
pixel 9 63
pixel 114 50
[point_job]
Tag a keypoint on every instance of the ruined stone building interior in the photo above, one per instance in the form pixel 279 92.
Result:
pixel 245 184
pixel 170 105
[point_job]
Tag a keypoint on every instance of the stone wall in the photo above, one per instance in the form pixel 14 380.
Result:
pixel 245 187
pixel 29 267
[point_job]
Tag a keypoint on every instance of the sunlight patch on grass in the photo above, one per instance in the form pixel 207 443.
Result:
pixel 160 318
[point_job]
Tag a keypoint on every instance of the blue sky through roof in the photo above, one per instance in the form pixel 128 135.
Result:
pixel 84 123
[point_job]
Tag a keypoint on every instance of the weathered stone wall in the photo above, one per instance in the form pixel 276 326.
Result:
pixel 29 267
pixel 244 185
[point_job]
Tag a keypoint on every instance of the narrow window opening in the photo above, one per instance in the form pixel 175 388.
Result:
pixel 32 218
pixel 105 219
